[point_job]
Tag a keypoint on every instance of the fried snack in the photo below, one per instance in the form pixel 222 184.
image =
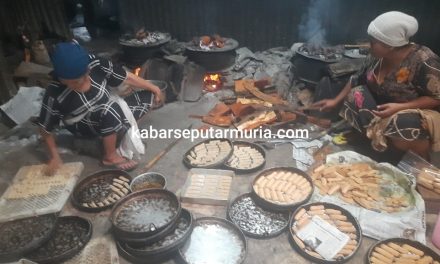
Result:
pixel 283 187
pixel 393 252
pixel 208 153
pixel 245 157
pixel 357 183
pixel 430 180
pixel 332 216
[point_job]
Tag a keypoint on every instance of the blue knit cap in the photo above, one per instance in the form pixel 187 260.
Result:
pixel 70 60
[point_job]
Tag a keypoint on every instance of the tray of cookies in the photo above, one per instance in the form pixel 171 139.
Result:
pixel 338 243
pixel 401 250
pixel 246 157
pixel 282 188
pixel 255 221
pixel 364 184
pixel 208 154
pixel 101 190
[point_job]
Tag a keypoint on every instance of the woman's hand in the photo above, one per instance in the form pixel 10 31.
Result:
pixel 158 95
pixel 387 110
pixel 53 165
pixel 325 105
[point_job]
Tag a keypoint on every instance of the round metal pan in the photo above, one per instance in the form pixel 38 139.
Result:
pixel 276 222
pixel 168 244
pixel 210 166
pixel 167 206
pixel 59 235
pixel 350 218
pixel 46 225
pixel 159 258
pixel 105 175
pixel 249 144
pixel 219 223
pixel 314 57
pixel 230 44
pixel 279 207
pixel 400 241
pixel 165 40
pixel 147 240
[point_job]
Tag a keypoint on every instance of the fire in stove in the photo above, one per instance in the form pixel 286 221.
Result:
pixel 212 82
pixel 137 71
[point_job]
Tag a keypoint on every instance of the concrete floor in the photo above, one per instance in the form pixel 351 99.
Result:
pixel 175 115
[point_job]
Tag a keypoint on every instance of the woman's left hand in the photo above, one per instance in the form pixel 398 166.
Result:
pixel 158 95
pixel 387 110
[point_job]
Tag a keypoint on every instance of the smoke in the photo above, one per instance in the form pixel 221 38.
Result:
pixel 311 29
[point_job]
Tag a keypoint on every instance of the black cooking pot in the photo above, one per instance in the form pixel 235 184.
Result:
pixel 136 55
pixel 215 59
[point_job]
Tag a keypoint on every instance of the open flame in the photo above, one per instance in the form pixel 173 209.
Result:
pixel 212 82
pixel 137 71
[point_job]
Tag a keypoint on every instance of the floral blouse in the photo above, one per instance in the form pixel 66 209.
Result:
pixel 418 75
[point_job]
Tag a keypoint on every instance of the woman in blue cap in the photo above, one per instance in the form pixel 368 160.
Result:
pixel 81 97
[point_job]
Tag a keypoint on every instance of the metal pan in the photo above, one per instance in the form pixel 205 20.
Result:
pixel 77 237
pixel 142 260
pixel 350 218
pixel 145 213
pixel 255 221
pixel 249 144
pixel 168 244
pixel 230 44
pixel 28 234
pixel 102 178
pixel 209 166
pixel 281 207
pixel 400 241
pixel 222 243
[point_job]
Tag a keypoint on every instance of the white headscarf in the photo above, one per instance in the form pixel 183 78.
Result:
pixel 393 28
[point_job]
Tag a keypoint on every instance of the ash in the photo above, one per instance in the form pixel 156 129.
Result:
pixel 251 218
pixel 213 244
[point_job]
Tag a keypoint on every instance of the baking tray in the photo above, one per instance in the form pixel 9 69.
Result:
pixel 349 216
pixel 213 165
pixel 169 210
pixel 105 176
pixel 230 44
pixel 278 207
pixel 215 190
pixel 67 228
pixel 100 250
pixel 249 144
pixel 212 250
pixel 401 241
pixel 167 245
pixel 52 202
pixel 266 224
pixel 11 231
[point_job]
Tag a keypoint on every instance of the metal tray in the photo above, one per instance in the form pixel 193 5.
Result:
pixel 26 225
pixel 252 145
pixel 167 245
pixel 278 207
pixel 59 235
pixel 105 175
pixel 142 260
pixel 165 40
pixel 209 196
pixel 349 216
pixel 230 44
pixel 275 222
pixel 230 231
pixel 170 210
pixel 399 241
pixel 210 166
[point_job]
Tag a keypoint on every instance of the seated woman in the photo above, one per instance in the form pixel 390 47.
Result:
pixel 81 97
pixel 396 95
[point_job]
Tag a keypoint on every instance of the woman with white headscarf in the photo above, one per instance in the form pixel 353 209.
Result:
pixel 395 97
